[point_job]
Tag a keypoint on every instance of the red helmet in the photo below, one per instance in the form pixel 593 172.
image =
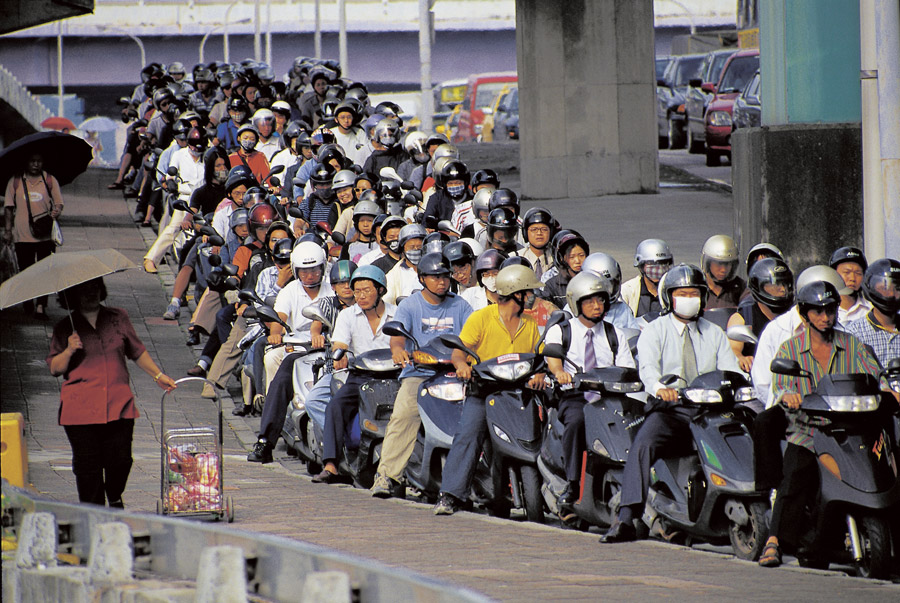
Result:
pixel 261 216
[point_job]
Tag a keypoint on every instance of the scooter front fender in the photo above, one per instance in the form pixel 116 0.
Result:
pixel 515 424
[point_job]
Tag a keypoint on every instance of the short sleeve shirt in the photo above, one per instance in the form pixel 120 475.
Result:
pixel 352 328
pixel 426 321
pixel 485 334
pixel 293 298
pixel 95 387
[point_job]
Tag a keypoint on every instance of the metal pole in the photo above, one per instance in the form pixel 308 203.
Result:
pixel 225 47
pixel 427 102
pixel 887 42
pixel 257 44
pixel 269 32
pixel 873 210
pixel 59 70
pixel 140 44
pixel 342 36
pixel 317 36
pixel 203 41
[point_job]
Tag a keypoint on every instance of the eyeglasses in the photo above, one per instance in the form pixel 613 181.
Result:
pixel 539 230
pixel 364 291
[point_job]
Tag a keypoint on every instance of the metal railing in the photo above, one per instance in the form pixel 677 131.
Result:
pixel 19 98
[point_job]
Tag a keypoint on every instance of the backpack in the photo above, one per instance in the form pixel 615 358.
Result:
pixel 611 337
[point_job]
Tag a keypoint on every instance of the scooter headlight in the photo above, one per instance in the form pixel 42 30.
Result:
pixel 623 387
pixel 450 390
pixel 502 434
pixel 703 396
pixel 511 371
pixel 852 403
pixel 744 394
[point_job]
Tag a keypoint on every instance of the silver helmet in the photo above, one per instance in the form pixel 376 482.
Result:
pixel 606 266
pixel 720 248
pixel 343 179
pixel 652 250
pixel 481 203
pixel 587 284
pixel 822 273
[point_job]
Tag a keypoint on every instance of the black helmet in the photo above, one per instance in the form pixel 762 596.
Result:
pixel 433 264
pixel 282 251
pixel 319 137
pixel 538 215
pixel 848 254
pixel 181 128
pixel 237 103
pixel 237 176
pixel 330 151
pixel 504 197
pixel 322 175
pixel 389 223
pixel 196 138
pixel 817 295
pixel 452 170
pixel 881 285
pixel 458 252
pixel 771 271
pixel 504 219
pixel 680 277
pixel 516 260
pixel 563 241
pixel 485 177
pixel 491 259
pixel 342 271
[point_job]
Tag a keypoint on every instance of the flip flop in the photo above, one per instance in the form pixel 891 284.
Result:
pixel 771 556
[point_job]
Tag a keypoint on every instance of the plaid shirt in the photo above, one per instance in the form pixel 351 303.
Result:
pixel 848 355
pixel 885 343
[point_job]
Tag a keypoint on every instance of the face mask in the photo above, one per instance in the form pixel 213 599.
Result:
pixel 394 246
pixel 248 144
pixel 388 140
pixel 456 191
pixel 413 256
pixel 687 307
pixel 655 271
pixel 490 283
pixel 221 176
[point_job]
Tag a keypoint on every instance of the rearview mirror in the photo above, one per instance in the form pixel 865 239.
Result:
pixel 172 171
pixel 215 260
pixel 274 182
pixel 268 314
pixel 395 328
pixel 295 212
pixel 742 333
pixel 695 82
pixel 216 241
pixel 180 205
pixel 455 343
pixel 338 238
pixel 249 296
pixel 791 368
pixel 313 312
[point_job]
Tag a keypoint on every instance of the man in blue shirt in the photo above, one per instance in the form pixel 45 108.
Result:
pixel 427 313
pixel 680 343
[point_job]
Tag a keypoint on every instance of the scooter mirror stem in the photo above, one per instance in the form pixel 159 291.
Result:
pixel 455 343
pixel 396 329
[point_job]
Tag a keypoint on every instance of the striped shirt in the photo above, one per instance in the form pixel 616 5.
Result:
pixel 848 356
pixel 885 343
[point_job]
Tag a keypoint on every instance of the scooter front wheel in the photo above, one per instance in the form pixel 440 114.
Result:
pixel 531 493
pixel 748 540
pixel 875 537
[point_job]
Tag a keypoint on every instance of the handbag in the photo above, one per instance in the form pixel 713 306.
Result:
pixel 41 226
pixel 56 234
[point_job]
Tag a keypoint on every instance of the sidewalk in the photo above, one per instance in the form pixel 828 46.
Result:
pixel 507 560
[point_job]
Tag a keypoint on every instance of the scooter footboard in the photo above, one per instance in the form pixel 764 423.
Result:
pixel 515 425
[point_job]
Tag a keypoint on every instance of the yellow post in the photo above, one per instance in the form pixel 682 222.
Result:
pixel 13 453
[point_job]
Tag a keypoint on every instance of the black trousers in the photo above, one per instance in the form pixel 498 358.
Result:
pixel 571 415
pixel 31 253
pixel 338 414
pixel 281 390
pixel 101 460
pixel 798 488
pixel 768 432
pixel 664 433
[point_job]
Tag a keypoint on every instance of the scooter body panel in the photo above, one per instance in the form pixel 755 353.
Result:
pixel 516 415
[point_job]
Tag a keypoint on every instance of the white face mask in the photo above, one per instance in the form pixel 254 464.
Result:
pixel 490 283
pixel 687 307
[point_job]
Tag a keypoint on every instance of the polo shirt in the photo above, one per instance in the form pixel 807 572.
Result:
pixel 869 331
pixel 293 298
pixel 486 335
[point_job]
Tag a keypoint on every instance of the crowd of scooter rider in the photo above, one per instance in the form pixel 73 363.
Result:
pixel 338 256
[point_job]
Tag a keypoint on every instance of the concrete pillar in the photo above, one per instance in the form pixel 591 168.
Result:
pixel 111 558
pixel 587 97
pixel 37 541
pixel 326 587
pixel 222 575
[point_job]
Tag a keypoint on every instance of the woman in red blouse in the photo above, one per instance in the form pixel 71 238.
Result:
pixel 97 407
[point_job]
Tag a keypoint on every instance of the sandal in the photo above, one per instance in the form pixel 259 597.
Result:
pixel 771 555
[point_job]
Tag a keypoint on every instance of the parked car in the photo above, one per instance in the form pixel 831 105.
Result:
pixel 737 72
pixel 447 95
pixel 491 115
pixel 661 64
pixel 700 92
pixel 671 89
pixel 506 119
pixel 747 111
pixel 482 90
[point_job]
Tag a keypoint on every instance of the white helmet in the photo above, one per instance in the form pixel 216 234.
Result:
pixel 307 255
pixel 262 114
pixel 414 142
pixel 476 247
pixel 481 202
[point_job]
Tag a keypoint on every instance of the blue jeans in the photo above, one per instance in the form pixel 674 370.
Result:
pixel 317 400
pixel 466 448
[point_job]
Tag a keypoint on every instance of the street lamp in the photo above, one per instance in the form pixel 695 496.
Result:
pixel 224 39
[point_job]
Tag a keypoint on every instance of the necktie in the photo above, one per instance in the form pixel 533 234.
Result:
pixel 538 268
pixel 590 358
pixel 688 358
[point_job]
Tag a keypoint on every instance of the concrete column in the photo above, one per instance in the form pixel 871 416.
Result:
pixel 586 97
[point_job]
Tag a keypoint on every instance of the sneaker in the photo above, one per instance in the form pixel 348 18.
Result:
pixel 172 311
pixel 382 487
pixel 261 453
pixel 446 505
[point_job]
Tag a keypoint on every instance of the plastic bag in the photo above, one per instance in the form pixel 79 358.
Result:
pixel 56 234
pixel 9 266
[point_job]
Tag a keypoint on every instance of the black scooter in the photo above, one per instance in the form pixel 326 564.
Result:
pixel 508 472
pixel 610 426
pixel 859 491
pixel 710 494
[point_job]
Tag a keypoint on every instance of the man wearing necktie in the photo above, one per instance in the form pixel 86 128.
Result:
pixel 592 343
pixel 679 342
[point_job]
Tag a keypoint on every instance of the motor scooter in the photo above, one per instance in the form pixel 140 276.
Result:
pixel 611 420
pixel 440 400
pixel 859 489
pixel 710 494
pixel 515 421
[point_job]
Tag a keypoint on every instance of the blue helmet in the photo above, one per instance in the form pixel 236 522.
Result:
pixel 369 272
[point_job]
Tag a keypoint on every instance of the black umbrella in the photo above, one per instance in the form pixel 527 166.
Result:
pixel 65 156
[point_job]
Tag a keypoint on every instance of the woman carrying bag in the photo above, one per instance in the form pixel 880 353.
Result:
pixel 33 203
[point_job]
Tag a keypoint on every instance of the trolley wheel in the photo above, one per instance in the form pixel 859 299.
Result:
pixel 160 509
pixel 229 509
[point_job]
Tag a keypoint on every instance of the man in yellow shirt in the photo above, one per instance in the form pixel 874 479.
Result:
pixel 498 329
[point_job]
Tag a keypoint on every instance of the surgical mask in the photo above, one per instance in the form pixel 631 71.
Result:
pixel 687 307
pixel 394 245
pixel 247 144
pixel 456 191
pixel 655 271
pixel 490 283
pixel 388 140
pixel 221 175
pixel 413 256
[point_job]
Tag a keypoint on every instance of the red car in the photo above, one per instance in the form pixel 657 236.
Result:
pixel 483 88
pixel 718 123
